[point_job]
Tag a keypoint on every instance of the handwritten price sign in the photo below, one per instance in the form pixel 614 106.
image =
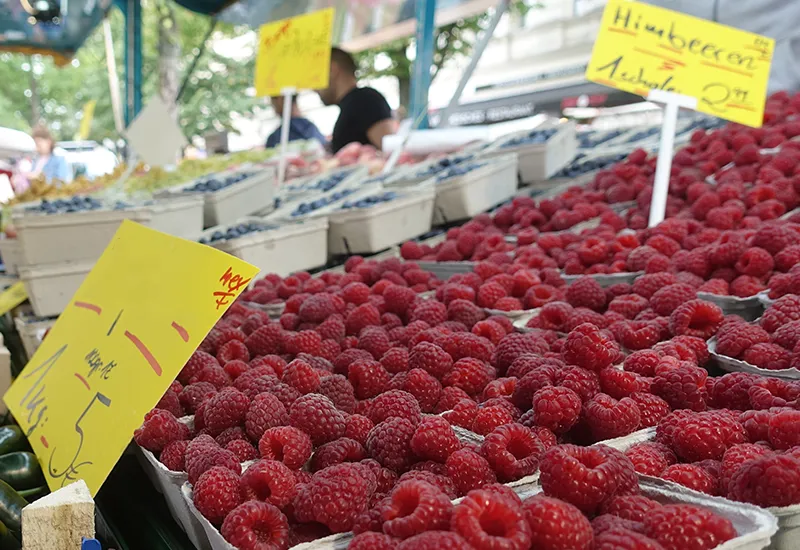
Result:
pixel 141 312
pixel 294 53
pixel 641 47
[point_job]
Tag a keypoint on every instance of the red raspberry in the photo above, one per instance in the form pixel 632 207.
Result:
pixel 415 507
pixel 696 318
pixel 389 442
pixel 316 308
pixel 608 418
pixel 784 429
pixel 585 476
pixel 174 455
pixel 318 417
pixel 430 311
pixel 462 414
pixel 192 395
pixel 619 383
pixel 691 476
pixel 682 526
pixel 232 350
pixel 266 340
pixel 735 457
pixel 619 538
pixel 642 362
pixel 513 451
pixel 265 411
pixel 256 521
pixel 466 312
pixel 554 316
pixel 666 300
pixel 630 507
pixel 361 317
pixel 556 524
pixel 556 408
pixel 424 387
pixel 270 481
pixel 286 444
pixel 734 338
pixel 197 362
pixel 744 286
pixel 440 481
pixel 583 382
pixel 502 387
pixel 375 340
pixel 489 330
pixel 647 285
pixel 394 403
pixel 395 360
pixel 469 470
pixel 430 358
pixel 356 293
pixel 214 375
pixel 358 428
pixel 301 376
pixel 486 520
pixel 706 435
pixel 651 408
pixel 339 390
pixel 368 378
pixel 769 481
pixel 767 356
pixel 335 497
pixel 588 347
pixel 772 392
pixel 490 293
pixel 636 335
pixel 755 262
pixel 489 418
pixel 203 453
pixel 216 493
pixel 243 450
pixel 370 540
pixel 629 305
pixel 171 402
pixel 433 540
pixel 785 310
pixel 647 459
pixel 434 439
pixel 337 452
pixel 160 428
pixel 683 387
pixel 586 292
pixel 469 374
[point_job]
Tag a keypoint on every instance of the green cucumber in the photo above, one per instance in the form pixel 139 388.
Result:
pixel 21 470
pixel 7 540
pixel 11 505
pixel 12 439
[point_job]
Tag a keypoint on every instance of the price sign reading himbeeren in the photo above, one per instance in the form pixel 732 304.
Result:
pixel 642 47
pixel 294 53
pixel 136 319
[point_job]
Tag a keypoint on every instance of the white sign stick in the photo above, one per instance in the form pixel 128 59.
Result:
pixel 285 121
pixel 672 102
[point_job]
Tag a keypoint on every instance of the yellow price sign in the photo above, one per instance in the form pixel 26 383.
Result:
pixel 12 297
pixel 294 53
pixel 642 47
pixel 135 321
pixel 86 121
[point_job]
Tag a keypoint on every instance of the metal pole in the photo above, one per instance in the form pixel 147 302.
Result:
pixel 196 59
pixel 421 82
pixel 113 77
pixel 133 60
pixel 500 10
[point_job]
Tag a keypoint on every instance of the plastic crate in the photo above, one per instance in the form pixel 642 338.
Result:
pixel 10 253
pixel 370 230
pixel 50 287
pixel 540 161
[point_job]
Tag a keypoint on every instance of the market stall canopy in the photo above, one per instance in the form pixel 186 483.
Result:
pixel 14 143
pixel 61 38
pixel 359 24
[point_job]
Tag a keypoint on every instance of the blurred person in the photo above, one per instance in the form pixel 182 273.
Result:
pixel 776 19
pixel 47 163
pixel 365 115
pixel 300 128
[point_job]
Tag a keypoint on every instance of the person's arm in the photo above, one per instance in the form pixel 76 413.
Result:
pixel 380 129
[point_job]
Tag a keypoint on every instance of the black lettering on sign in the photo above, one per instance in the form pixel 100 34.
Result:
pixel 34 399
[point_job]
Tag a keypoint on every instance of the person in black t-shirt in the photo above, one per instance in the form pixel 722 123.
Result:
pixel 365 115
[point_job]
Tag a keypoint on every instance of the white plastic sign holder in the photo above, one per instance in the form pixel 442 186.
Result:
pixel 672 102
pixel 288 94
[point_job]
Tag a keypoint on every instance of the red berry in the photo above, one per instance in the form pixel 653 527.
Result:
pixel 608 418
pixel 270 481
pixel 318 417
pixel 368 378
pixel 706 435
pixel 691 476
pixel 335 497
pixel 556 524
pixel 415 507
pixel 160 428
pixel 588 347
pixel 174 454
pixel 772 480
pixel 216 493
pixel 686 527
pixel 256 521
pixel 513 451
pixel 486 520
pixel 683 387
pixel 619 538
pixel 430 358
pixel 556 408
pixel 586 292
pixel 434 439
pixel 469 470
pixel 651 408
pixel 434 540
pixel 389 442
pixel 696 318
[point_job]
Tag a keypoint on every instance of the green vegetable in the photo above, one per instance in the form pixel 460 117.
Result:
pixel 21 470
pixel 32 494
pixel 11 505
pixel 7 540
pixel 12 439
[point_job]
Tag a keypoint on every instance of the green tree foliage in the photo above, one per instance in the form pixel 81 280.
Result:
pixel 33 87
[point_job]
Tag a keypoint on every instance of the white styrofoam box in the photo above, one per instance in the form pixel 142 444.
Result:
pixel 294 246
pixel 445 270
pixel 749 308
pixel 540 161
pixel 179 215
pixel 606 279
pixel 355 182
pixel 32 330
pixel 75 236
pixel 10 253
pixel 369 230
pixel 729 364
pixel 50 287
pixel 477 191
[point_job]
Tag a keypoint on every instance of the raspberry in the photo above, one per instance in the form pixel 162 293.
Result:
pixel 772 392
pixel 783 311
pixel 489 294
pixel 513 451
pixel 471 375
pixel 608 418
pixel 772 480
pixel 584 476
pixel 735 457
pixel 214 375
pixel 415 507
pixel 767 356
pixel 466 312
pixel 301 376
pixel 647 285
pixel 501 387
pixel 619 383
pixel 619 538
pixel 469 470
pixel 508 304
pixel 556 408
pixel 588 347
pixel 270 481
pixel 389 443
pixel 159 429
pixel 486 520
pixel 629 507
pixel 665 300
pixel 440 481
pixel 203 453
pixel 232 350
pixel 434 439
pixel 266 340
pixel 335 497
pixel 583 382
pixel 686 527
pixel 430 358
pixel 317 416
pixel 216 493
pixel 586 292
pixel 706 435
pixel 337 452
pixel 434 540
pixel 174 455
pixel 463 344
pixel 370 540
pixel 556 524
pixel 629 305
pixel 462 414
pixel 254 525
pixel 696 318
pixel 265 411
pixel 425 388
pixel 734 338
pixel 683 387
pixel 196 363
pixel 489 418
pixel 368 378
pixel 691 476
pixel 755 262
pixel 642 362
pixel 192 395
pixel 513 346
pixel 316 308
pixel 339 390
pixel 394 403
pixel 430 311
pixel 651 409
pixel 361 317
pixel 784 429
pixel 243 450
